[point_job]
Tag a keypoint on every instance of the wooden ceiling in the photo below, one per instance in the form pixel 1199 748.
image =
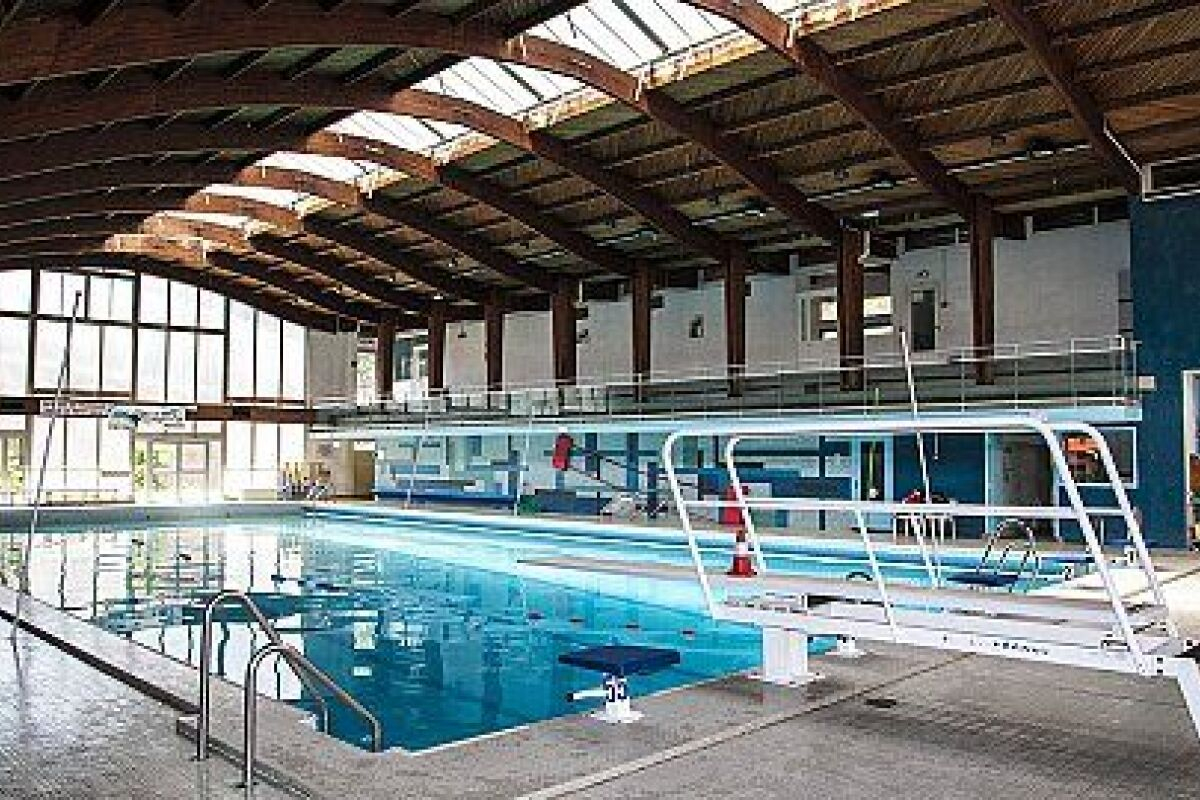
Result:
pixel 895 114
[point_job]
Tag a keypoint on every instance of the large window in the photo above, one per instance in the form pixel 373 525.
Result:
pixel 276 372
pixel 143 339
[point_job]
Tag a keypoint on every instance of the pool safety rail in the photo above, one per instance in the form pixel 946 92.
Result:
pixel 1100 372
pixel 313 679
pixel 1111 633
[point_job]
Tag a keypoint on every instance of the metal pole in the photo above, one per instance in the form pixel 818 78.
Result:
pixel 23 588
pixel 516 509
pixel 250 710
pixel 934 570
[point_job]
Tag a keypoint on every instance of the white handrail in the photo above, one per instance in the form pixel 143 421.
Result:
pixel 978 424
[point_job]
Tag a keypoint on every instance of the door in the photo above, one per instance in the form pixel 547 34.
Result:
pixel 12 470
pixel 1026 475
pixel 177 470
pixel 873 476
pixel 923 319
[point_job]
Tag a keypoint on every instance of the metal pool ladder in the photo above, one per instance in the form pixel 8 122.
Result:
pixel 309 674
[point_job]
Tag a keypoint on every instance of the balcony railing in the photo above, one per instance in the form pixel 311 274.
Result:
pixel 1099 371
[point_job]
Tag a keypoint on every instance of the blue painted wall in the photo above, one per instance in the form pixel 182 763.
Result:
pixel 955 470
pixel 1165 242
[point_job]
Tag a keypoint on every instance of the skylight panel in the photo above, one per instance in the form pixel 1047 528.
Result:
pixel 278 197
pixel 338 169
pixel 402 131
pixel 582 30
pixel 680 26
pixel 224 220
pixel 485 83
pixel 548 85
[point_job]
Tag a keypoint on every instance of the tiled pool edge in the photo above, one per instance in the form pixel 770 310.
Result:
pixel 13 518
pixel 301 761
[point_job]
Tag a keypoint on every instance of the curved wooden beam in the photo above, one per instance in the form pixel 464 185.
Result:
pixel 138 97
pixel 811 59
pixel 218 30
pixel 347 195
pixel 481 191
pixel 76 227
pixel 114 202
pixel 183 273
pixel 104 178
pixel 1079 101
pixel 83 148
pixel 239 263
pixel 287 221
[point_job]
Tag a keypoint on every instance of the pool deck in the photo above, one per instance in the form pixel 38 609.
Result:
pixel 949 727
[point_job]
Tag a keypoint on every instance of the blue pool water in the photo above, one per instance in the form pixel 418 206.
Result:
pixel 435 624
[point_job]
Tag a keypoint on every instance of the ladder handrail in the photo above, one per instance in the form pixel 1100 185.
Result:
pixel 204 719
pixel 299 664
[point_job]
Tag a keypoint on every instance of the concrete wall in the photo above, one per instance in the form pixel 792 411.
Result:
pixel 1053 286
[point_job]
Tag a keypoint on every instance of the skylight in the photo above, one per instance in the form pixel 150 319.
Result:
pixel 630 34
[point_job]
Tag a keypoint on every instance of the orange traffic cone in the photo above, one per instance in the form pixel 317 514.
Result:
pixel 741 567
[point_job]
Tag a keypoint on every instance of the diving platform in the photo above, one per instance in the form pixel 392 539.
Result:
pixel 1119 631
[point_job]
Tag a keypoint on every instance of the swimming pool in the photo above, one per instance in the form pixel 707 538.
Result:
pixel 434 622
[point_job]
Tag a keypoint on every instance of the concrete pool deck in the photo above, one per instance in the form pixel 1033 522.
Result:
pixel 900 723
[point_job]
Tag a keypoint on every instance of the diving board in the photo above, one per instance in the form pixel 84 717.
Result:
pixel 1109 632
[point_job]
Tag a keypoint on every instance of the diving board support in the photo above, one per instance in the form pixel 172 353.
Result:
pixel 1112 633
pixel 785 658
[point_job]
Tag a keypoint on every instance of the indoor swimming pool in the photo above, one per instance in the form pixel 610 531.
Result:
pixel 436 623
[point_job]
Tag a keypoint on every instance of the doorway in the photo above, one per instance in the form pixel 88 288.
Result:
pixel 177 470
pixel 12 469
pixel 1023 475
pixel 922 315
pixel 871 465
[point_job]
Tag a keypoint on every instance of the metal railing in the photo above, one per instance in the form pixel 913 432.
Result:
pixel 300 665
pixel 1030 375
pixel 305 670
pixel 1051 433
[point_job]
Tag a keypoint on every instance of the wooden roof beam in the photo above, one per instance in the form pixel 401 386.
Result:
pixel 238 259
pixel 384 291
pixel 488 194
pixel 349 196
pixel 134 98
pixel 1079 101
pixel 60 208
pixel 426 31
pixel 774 31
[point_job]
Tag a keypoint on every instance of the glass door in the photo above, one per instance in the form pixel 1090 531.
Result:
pixel 177 470
pixel 12 468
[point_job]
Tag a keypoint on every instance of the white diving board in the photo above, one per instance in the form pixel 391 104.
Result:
pixel 1109 633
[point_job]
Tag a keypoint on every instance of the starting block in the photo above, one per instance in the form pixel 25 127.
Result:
pixel 617 663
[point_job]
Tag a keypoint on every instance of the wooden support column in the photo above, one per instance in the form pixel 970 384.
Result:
pixel 736 268
pixel 385 359
pixel 983 290
pixel 562 313
pixel 493 342
pixel 851 288
pixel 437 347
pixel 643 289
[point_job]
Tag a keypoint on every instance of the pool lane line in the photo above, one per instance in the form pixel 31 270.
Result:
pixel 582 783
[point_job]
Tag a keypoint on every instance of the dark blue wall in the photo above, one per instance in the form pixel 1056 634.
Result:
pixel 1165 241
pixel 955 470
